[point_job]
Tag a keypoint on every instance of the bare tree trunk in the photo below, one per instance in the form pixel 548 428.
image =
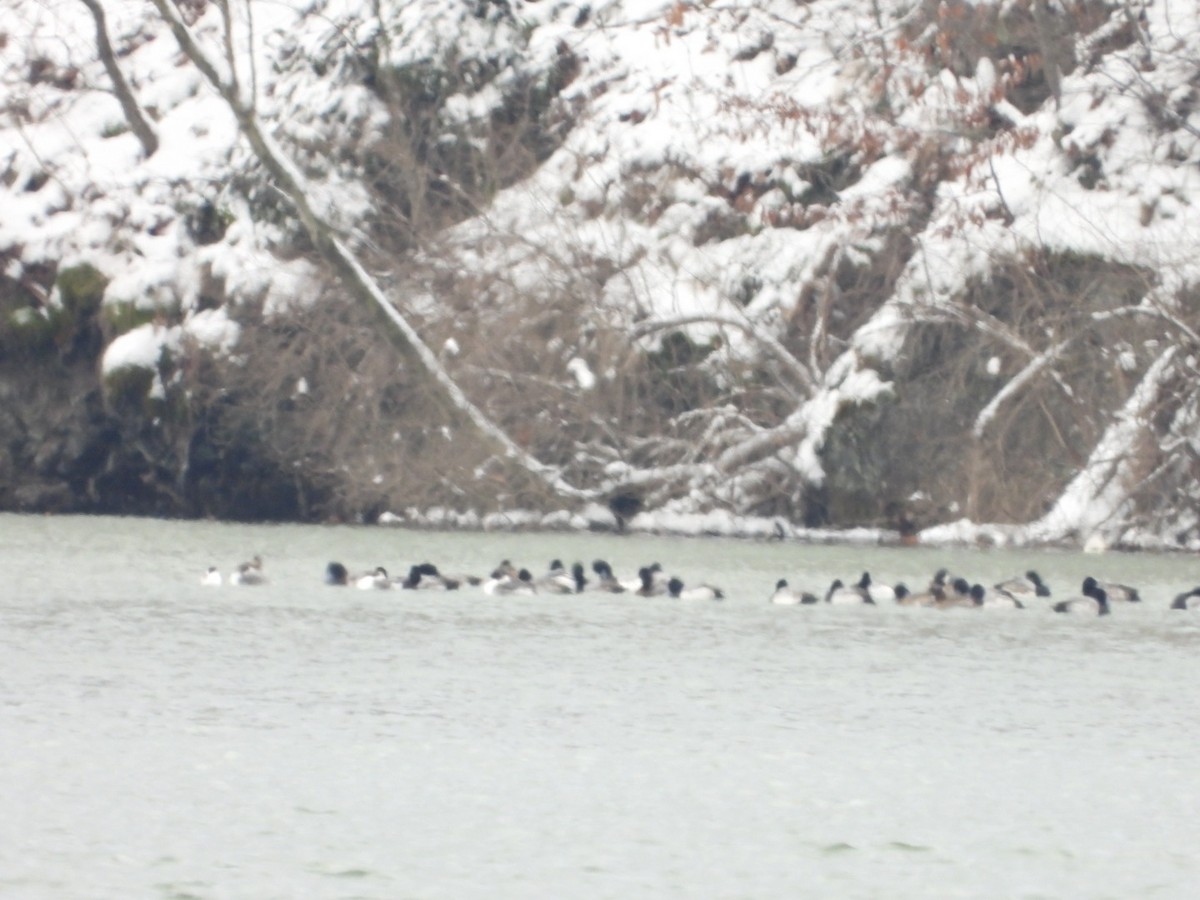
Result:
pixel 350 271
pixel 1046 40
pixel 129 105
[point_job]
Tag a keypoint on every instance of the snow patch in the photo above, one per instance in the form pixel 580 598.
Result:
pixel 583 375
pixel 140 348
pixel 213 329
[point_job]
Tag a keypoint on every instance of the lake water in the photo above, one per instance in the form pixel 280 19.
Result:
pixel 163 739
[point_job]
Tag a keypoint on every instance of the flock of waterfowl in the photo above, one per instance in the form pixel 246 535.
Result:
pixel 505 579
pixel 947 592
pixel 944 591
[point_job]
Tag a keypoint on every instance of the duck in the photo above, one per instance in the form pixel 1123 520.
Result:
pixel 558 580
pixel 784 595
pixel 432 574
pixel 249 573
pixel 642 581
pixel 505 568
pixel 555 579
pixel 658 578
pixel 503 571
pixel 1024 586
pixel 578 577
pixel 925 598
pixel 994 598
pixel 336 574
pixel 1118 593
pixel 961 594
pixel 840 595
pixel 375 580
pixel 677 591
pixel 212 577
pixel 649 585
pixel 581 581
pixel 426 577
pixel 520 584
pixel 606 580
pixel 1189 600
pixel 879 593
pixel 433 579
pixel 1094 600
pixel 941 580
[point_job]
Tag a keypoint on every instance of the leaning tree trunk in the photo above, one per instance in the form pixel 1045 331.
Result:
pixel 1104 487
pixel 354 277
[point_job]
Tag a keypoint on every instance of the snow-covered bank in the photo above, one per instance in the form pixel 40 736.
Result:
pixel 962 533
pixel 797 262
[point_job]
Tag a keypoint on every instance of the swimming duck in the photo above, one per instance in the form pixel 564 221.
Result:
pixel 426 577
pixel 505 568
pixel 941 580
pixel 925 598
pixel 649 582
pixel 412 580
pixel 960 594
pixel 677 591
pixel 555 580
pixel 642 582
pixel 375 580
pixel 580 579
pixel 1190 600
pixel 433 577
pixel 879 593
pixel 211 578
pixel 1118 593
pixel 558 580
pixel 840 595
pixel 789 596
pixel 606 580
pixel 336 573
pixel 520 584
pixel 502 572
pixel 994 598
pixel 652 580
pixel 1024 586
pixel 249 573
pixel 1094 600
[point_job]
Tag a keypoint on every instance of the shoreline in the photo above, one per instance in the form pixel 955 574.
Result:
pixel 961 534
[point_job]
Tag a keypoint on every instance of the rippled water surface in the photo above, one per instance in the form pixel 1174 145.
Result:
pixel 162 739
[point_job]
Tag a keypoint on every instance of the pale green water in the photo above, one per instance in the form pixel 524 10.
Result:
pixel 160 739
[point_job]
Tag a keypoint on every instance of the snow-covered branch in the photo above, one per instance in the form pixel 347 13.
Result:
pixel 1015 384
pixel 1153 311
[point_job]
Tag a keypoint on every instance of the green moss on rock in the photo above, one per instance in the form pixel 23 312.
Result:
pixel 124 316
pixel 81 289
pixel 128 387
